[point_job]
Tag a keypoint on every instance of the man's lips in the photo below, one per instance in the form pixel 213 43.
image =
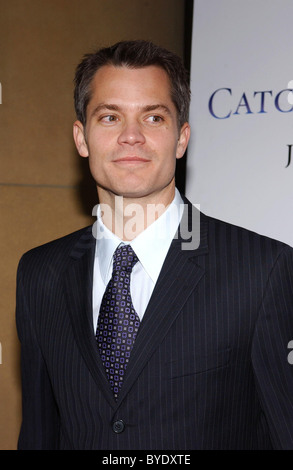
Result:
pixel 131 159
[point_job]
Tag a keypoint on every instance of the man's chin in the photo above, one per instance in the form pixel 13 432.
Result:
pixel 122 192
pixel 140 192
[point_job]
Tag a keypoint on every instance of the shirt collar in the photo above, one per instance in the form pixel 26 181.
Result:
pixel 151 245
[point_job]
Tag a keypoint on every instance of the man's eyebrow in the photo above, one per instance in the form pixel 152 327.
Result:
pixel 147 108
pixel 155 107
pixel 105 106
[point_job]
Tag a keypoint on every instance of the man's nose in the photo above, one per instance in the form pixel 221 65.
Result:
pixel 131 133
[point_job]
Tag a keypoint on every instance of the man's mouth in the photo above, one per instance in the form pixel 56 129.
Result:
pixel 131 159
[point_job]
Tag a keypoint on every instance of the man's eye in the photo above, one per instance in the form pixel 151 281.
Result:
pixel 108 118
pixel 155 119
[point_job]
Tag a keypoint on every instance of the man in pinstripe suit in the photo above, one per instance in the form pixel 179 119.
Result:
pixel 209 366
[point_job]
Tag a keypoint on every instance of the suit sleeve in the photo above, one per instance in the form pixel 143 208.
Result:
pixel 40 423
pixel 270 353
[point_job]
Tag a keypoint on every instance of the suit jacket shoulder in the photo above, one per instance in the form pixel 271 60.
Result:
pixel 55 252
pixel 223 241
pixel 222 233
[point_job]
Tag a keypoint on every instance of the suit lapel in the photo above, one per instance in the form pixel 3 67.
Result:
pixel 179 276
pixel 78 281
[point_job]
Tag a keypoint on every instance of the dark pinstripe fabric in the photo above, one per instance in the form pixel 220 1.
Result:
pixel 209 368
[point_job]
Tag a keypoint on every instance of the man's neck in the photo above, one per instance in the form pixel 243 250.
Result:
pixel 127 217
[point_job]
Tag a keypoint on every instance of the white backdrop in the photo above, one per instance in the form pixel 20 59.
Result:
pixel 242 114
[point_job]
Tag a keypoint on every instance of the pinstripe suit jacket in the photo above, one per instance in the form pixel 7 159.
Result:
pixel 209 369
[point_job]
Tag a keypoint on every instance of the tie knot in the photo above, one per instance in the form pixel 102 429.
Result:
pixel 124 258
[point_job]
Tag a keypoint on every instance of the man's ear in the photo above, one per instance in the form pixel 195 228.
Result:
pixel 79 139
pixel 183 140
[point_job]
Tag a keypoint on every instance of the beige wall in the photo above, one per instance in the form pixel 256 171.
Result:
pixel 45 190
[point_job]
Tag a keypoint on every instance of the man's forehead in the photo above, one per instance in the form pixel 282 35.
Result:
pixel 122 83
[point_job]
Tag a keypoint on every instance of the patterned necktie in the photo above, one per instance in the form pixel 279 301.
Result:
pixel 118 322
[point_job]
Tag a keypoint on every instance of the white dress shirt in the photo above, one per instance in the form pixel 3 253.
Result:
pixel 151 247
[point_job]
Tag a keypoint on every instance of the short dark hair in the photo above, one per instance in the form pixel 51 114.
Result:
pixel 133 54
